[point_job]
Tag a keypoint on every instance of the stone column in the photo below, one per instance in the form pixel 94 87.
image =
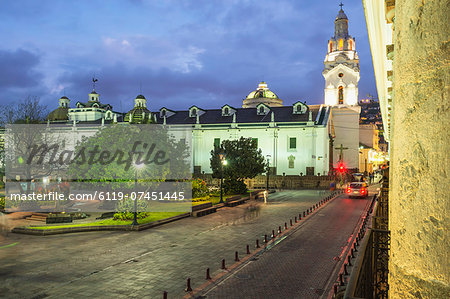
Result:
pixel 420 149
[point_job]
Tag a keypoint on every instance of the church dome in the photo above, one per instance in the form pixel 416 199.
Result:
pixel 140 97
pixel 262 92
pixel 61 113
pixel 262 95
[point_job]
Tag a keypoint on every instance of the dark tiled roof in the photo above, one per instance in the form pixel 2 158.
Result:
pixel 246 115
pixel 91 104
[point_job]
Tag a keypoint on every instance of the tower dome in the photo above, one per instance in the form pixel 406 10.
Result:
pixel 262 95
pixel 60 113
pixel 140 113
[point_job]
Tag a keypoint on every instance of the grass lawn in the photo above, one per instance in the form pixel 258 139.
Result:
pixel 152 217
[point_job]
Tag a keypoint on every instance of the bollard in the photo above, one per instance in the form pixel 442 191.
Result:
pixel 188 285
pixel 279 229
pixel 285 225
pixel 265 238
pixel 349 260
pixel 257 243
pixel 165 295
pixel 273 234
pixel 207 274
pixel 345 269
pixel 290 221
pixel 223 264
pixel 236 256
pixel 248 249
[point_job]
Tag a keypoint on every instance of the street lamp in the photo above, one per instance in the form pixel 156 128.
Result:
pixel 267 178
pixel 136 168
pixel 223 162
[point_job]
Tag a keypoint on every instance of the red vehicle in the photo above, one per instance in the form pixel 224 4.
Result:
pixel 357 189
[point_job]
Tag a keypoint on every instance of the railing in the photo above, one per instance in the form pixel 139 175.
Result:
pixel 369 276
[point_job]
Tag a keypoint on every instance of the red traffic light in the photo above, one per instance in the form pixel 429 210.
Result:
pixel 341 167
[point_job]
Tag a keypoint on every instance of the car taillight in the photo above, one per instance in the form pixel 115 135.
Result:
pixel 348 190
pixel 363 191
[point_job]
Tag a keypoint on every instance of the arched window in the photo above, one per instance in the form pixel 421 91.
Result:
pixel 261 110
pixel 341 95
pixel 299 108
pixel 226 111
pixel 341 44
pixel 194 112
pixel 350 44
pixel 331 46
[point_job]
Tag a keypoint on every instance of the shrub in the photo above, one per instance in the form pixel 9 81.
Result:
pixel 130 215
pixel 2 203
pixel 199 188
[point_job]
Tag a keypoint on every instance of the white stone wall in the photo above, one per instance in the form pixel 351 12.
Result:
pixel 346 128
pixel 311 150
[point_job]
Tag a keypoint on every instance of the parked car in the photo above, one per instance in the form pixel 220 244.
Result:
pixel 357 189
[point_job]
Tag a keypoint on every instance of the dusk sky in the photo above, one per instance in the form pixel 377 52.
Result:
pixel 183 53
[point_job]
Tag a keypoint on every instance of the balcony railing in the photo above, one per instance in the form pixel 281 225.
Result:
pixel 369 273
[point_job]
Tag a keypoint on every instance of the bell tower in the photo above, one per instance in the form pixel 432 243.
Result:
pixel 341 65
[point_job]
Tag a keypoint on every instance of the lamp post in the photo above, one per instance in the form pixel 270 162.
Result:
pixel 267 178
pixel 222 163
pixel 136 168
pixel 135 200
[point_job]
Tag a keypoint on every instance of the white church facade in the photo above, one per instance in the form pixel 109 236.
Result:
pixel 298 139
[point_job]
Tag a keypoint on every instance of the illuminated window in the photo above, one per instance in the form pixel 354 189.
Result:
pixel 292 143
pixel 216 142
pixel 341 95
pixel 331 46
pixel 350 45
pixel 341 44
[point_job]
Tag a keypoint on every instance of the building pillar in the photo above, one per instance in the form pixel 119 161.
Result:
pixel 420 146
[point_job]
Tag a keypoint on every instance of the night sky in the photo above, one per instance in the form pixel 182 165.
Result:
pixel 179 53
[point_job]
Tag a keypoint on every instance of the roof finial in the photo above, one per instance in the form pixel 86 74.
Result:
pixel 341 5
pixel 93 82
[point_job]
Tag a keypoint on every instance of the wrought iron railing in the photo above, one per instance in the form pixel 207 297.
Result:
pixel 368 277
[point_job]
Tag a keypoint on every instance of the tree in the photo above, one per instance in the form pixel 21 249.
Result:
pixel 244 161
pixel 27 111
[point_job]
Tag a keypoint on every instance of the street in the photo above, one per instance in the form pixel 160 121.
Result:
pixel 146 263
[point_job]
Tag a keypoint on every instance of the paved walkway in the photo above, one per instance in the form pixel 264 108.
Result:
pixel 302 265
pixel 140 264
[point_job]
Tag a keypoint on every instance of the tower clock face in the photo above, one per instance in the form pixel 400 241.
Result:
pixel 341 75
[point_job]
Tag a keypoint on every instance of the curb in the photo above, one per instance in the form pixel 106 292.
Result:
pixel 67 230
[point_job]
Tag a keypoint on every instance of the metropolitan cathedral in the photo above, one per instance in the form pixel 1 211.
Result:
pixel 299 139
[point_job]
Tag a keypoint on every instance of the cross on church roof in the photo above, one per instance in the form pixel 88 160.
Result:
pixel 341 5
pixel 341 154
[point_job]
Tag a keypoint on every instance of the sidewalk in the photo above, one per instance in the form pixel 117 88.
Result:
pixel 303 264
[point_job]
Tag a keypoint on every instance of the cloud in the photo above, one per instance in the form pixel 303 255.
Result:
pixel 18 69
